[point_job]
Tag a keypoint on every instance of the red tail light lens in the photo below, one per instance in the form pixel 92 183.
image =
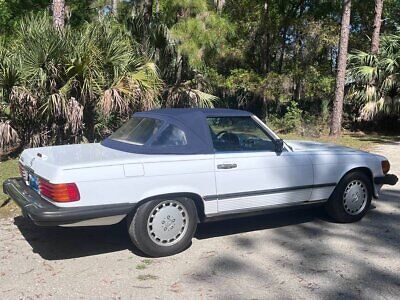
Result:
pixel 63 192
pixel 385 166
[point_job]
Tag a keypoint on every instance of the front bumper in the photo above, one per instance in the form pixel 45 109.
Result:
pixel 44 213
pixel 390 179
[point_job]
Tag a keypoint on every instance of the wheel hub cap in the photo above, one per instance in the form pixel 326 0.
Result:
pixel 167 223
pixel 355 197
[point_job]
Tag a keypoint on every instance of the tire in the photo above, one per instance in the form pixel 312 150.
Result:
pixel 351 198
pixel 163 227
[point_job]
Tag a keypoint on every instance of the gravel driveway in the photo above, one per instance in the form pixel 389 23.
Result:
pixel 288 255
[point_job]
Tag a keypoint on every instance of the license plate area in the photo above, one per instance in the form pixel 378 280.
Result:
pixel 33 181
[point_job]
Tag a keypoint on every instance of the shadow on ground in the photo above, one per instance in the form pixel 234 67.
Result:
pixel 57 243
pixel 378 138
pixel 354 259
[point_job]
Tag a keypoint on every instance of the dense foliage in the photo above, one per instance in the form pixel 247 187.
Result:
pixel 374 80
pixel 60 87
pixel 275 58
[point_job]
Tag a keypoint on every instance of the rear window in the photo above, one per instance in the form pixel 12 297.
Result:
pixel 137 131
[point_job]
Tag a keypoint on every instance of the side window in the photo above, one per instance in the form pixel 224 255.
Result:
pixel 238 134
pixel 171 136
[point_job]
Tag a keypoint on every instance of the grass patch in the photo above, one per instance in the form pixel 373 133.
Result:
pixel 144 264
pixel 141 267
pixel 8 168
pixel 147 277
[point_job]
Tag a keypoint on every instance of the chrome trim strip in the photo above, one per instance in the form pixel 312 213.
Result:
pixel 265 192
pixel 267 208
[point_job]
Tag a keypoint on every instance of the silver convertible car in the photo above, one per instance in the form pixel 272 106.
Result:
pixel 166 170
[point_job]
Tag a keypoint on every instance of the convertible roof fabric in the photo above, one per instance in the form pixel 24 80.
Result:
pixel 193 123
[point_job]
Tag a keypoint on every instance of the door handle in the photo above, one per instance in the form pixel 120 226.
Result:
pixel 227 166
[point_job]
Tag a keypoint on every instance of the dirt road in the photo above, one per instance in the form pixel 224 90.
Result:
pixel 288 255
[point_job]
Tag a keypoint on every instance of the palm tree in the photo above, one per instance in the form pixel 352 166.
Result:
pixel 59 13
pixel 73 85
pixel 374 79
pixel 336 121
pixel 9 76
pixel 185 85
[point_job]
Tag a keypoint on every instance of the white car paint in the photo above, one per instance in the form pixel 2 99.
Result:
pixel 107 176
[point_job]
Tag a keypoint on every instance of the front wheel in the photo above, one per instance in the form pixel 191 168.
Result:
pixel 351 199
pixel 163 227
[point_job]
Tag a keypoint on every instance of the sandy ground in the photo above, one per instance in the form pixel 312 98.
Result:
pixel 288 255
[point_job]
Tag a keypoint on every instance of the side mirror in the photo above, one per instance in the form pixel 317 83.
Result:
pixel 279 146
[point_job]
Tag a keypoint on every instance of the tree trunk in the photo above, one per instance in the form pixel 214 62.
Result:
pixel 377 26
pixel 58 14
pixel 115 7
pixel 89 121
pixel 283 49
pixel 219 5
pixel 265 39
pixel 337 113
pixel 145 7
pixel 179 69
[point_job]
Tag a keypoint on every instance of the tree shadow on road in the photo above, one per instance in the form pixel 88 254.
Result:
pixel 378 139
pixel 319 258
pixel 57 243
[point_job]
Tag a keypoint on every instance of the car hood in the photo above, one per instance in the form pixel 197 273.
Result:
pixel 309 146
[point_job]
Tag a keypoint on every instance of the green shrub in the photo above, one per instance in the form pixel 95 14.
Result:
pixel 293 117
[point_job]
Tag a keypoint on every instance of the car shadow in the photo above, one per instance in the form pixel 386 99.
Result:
pixel 259 222
pixel 58 243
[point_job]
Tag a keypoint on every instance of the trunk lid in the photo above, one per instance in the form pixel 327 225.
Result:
pixel 50 162
pixel 77 155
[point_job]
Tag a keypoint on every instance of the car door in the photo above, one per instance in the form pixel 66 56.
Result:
pixel 249 173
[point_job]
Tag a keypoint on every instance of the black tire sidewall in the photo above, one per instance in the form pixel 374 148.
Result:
pixel 335 205
pixel 138 233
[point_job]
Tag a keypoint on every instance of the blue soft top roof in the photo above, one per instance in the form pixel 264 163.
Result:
pixel 207 112
pixel 191 120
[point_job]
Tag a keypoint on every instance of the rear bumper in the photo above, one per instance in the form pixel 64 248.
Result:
pixel 44 213
pixel 390 179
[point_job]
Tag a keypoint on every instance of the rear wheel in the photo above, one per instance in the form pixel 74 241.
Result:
pixel 163 227
pixel 351 199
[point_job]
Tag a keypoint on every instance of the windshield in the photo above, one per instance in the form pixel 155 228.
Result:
pixel 137 130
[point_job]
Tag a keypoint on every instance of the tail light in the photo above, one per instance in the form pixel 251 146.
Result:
pixel 385 166
pixel 63 192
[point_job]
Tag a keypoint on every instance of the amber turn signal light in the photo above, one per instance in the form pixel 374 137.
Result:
pixel 385 166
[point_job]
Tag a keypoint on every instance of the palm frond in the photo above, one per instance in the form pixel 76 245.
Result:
pixel 9 139
pixel 185 96
pixel 374 79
